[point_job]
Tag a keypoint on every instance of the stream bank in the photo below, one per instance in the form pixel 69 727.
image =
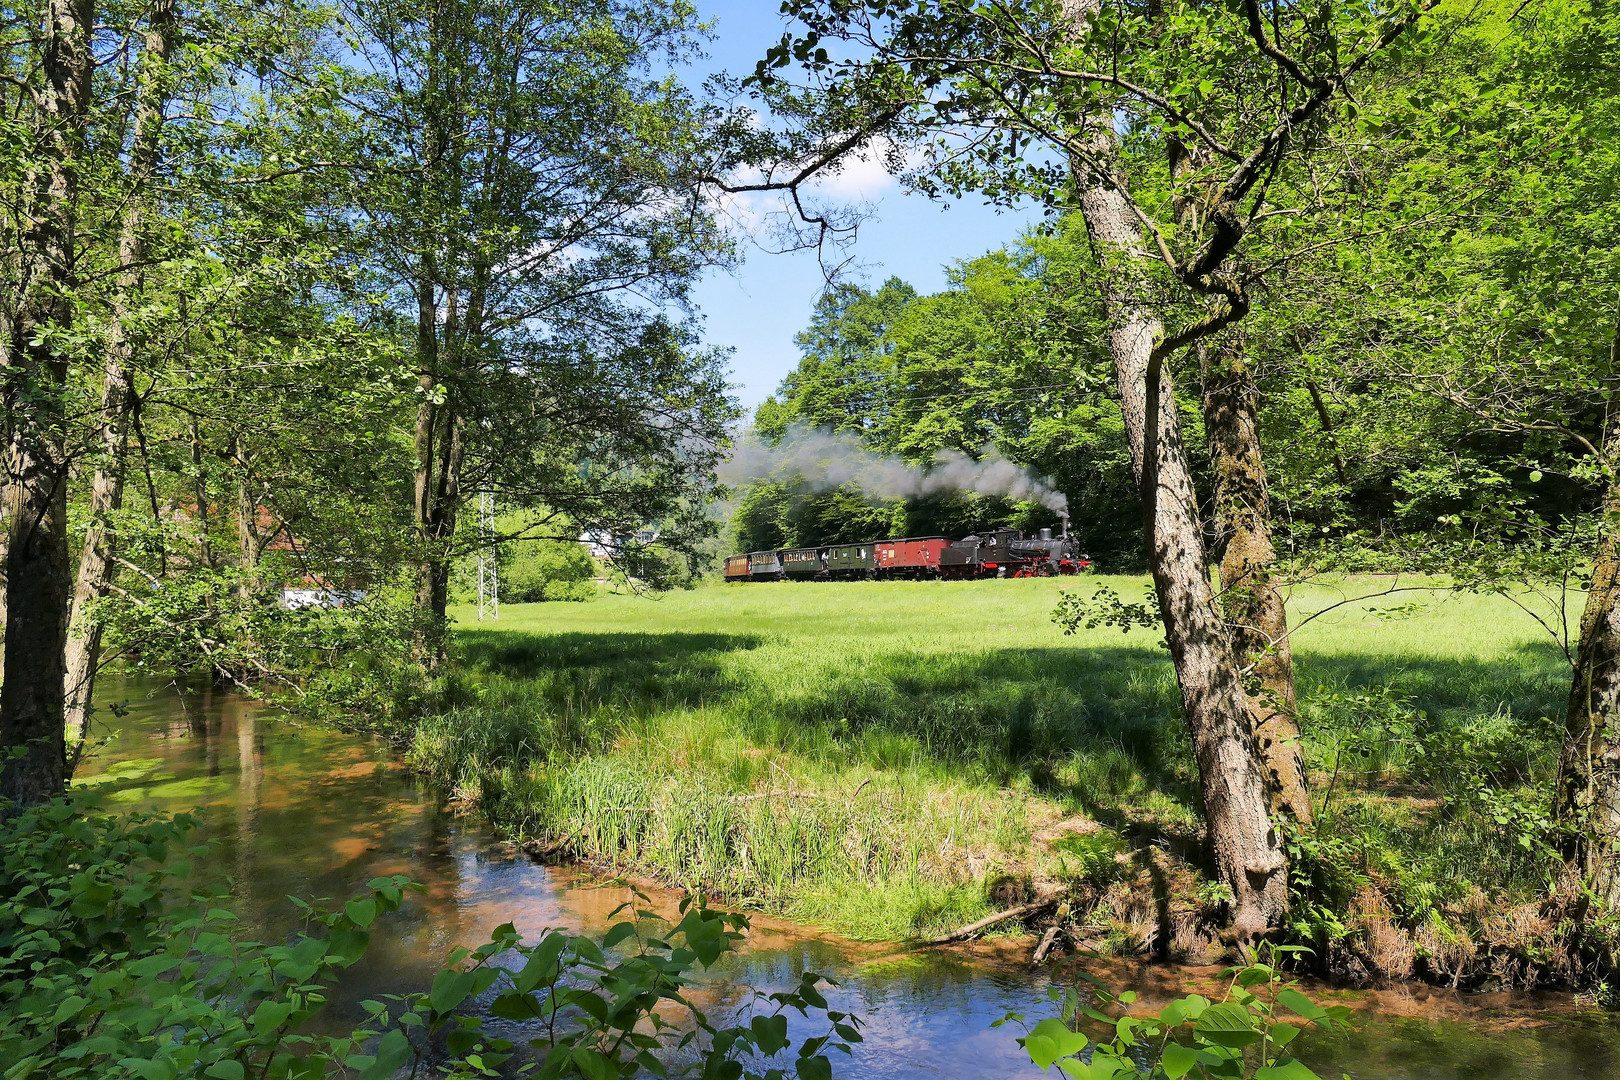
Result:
pixel 308 812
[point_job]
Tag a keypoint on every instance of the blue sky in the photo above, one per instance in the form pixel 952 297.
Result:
pixel 757 310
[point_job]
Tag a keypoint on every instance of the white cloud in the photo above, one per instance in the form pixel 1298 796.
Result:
pixel 861 179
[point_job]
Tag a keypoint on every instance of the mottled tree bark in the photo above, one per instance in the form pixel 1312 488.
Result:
pixel 1247 852
pixel 38 579
pixel 98 564
pixel 1589 769
pixel 1255 614
pixel 1589 766
pixel 439 454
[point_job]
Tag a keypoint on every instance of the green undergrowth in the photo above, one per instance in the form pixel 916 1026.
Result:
pixel 894 759
pixel 117 962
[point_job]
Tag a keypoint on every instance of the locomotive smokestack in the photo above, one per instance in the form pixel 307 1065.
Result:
pixel 1064 516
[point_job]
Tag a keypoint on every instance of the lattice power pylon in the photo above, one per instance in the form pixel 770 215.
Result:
pixel 489 577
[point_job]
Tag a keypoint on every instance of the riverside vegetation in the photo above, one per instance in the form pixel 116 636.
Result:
pixel 119 959
pixel 116 962
pixel 893 760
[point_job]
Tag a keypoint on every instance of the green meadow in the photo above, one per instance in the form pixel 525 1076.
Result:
pixel 891 760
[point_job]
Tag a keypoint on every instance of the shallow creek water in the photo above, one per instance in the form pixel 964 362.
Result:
pixel 313 813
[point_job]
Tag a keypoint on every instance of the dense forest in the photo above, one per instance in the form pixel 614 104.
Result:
pixel 291 290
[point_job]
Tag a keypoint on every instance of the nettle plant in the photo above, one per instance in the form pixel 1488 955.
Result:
pixel 1243 1036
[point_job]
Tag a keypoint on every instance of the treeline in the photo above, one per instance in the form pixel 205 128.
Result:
pixel 1338 273
pixel 1369 467
pixel 288 285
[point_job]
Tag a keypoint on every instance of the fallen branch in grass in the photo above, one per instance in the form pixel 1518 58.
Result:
pixel 963 933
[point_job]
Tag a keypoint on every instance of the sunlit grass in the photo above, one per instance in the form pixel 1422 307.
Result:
pixel 873 755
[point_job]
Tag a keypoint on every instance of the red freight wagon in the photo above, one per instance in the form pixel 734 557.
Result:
pixel 917 556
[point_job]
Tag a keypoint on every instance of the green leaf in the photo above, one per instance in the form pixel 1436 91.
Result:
pixel 361 912
pixel 1286 1069
pixel 1066 1041
pixel 1227 1025
pixel 770 1033
pixel 450 989
pixel 1041 1050
pixel 618 932
pixel 225 1070
pixel 1178 1060
pixel 542 967
pixel 269 1016
pixel 594 1065
pixel 516 1006
pixel 814 1068
pixel 392 1052
pixel 1283 1034
pixel 348 945
pixel 153 1069
pixel 1298 1003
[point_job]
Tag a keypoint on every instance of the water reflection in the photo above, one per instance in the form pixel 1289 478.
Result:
pixel 298 811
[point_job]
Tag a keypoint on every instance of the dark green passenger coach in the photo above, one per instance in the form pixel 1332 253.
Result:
pixel 851 560
pixel 802 562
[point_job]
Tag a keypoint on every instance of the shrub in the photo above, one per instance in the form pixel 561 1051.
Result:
pixel 545 570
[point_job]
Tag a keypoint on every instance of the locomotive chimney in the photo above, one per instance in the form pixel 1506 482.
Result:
pixel 1064 515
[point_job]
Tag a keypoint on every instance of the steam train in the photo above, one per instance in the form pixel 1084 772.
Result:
pixel 998 553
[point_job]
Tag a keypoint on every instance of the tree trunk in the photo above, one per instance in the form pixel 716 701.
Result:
pixel 438 496
pixel 199 480
pixel 249 542
pixel 1255 614
pixel 1247 852
pixel 98 564
pixel 38 580
pixel 1588 790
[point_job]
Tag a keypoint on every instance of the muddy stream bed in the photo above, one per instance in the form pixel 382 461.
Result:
pixel 307 812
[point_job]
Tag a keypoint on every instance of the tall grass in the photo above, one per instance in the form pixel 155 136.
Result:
pixel 892 758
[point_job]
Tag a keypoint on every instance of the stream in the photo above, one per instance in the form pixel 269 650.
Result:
pixel 308 812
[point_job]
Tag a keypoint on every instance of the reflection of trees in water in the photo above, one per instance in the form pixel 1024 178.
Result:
pixel 244 718
pixel 202 721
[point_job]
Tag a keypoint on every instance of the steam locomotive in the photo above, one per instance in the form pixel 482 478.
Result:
pixel 998 553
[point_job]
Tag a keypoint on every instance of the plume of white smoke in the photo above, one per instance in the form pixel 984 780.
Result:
pixel 829 459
